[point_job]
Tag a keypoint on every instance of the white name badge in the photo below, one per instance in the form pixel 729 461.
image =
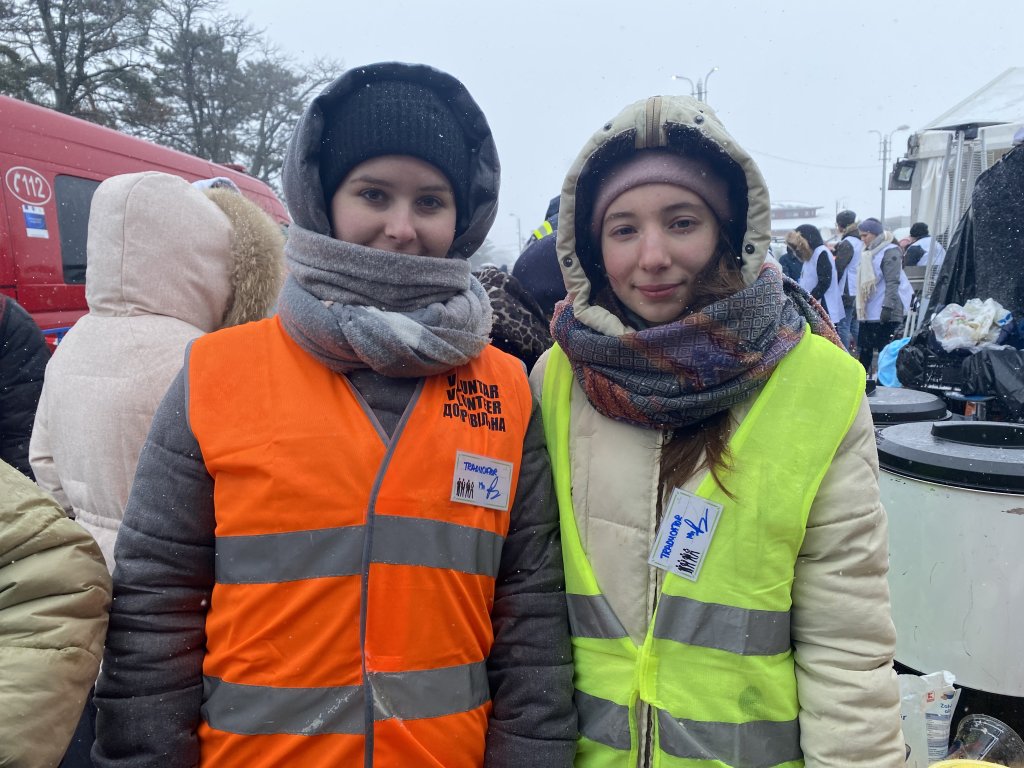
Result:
pixel 685 534
pixel 481 481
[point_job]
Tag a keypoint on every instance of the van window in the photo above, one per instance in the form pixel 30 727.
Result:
pixel 74 200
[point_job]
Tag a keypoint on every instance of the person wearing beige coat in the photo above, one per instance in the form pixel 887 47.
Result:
pixel 166 264
pixel 841 632
pixel 54 597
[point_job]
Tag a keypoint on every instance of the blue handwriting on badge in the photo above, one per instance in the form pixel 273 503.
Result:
pixel 491 490
pixel 696 529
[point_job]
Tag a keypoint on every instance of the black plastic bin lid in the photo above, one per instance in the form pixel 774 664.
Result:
pixel 895 405
pixel 982 455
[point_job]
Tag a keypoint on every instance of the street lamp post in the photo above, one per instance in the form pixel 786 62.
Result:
pixel 704 96
pixel 884 144
pixel 519 231
pixel 693 91
pixel 700 90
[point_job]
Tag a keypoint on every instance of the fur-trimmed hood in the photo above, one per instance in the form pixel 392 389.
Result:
pixel 257 258
pixel 799 245
pixel 159 246
pixel 682 124
pixel 167 263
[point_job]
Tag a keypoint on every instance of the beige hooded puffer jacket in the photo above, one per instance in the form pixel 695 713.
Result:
pixel 841 628
pixel 54 597
pixel 166 264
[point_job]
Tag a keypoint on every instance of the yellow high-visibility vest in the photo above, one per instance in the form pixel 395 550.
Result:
pixel 716 666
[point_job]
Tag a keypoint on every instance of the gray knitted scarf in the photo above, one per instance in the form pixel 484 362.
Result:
pixel 404 316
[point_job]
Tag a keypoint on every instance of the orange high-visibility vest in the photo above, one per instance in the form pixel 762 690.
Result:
pixel 355 572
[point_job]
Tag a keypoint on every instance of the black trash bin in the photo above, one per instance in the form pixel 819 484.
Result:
pixel 896 405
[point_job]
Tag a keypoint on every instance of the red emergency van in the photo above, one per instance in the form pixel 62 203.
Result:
pixel 50 165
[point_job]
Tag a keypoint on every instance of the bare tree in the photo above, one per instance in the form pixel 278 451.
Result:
pixel 198 78
pixel 76 56
pixel 280 93
pixel 222 91
pixel 183 73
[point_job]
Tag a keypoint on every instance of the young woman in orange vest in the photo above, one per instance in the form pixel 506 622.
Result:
pixel 715 467
pixel 341 546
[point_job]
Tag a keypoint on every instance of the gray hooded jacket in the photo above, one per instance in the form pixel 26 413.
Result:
pixel 150 708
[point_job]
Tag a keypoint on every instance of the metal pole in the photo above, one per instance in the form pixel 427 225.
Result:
pixel 700 89
pixel 926 289
pixel 519 231
pixel 881 142
pixel 955 202
pixel 683 77
pixel 885 163
pixel 707 77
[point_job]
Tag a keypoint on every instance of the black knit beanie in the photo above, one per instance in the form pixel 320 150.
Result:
pixel 394 117
pixel 845 218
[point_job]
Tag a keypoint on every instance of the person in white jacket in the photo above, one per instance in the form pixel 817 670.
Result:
pixel 166 264
pixel 724 544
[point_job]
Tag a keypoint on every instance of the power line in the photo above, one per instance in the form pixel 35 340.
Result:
pixel 811 165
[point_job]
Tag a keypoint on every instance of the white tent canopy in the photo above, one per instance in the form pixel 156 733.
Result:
pixel 951 151
pixel 1000 101
pixel 948 162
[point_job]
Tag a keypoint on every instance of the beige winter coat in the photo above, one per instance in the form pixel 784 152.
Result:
pixel 842 633
pixel 54 596
pixel 166 264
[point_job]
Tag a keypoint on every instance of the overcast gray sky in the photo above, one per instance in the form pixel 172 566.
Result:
pixel 799 84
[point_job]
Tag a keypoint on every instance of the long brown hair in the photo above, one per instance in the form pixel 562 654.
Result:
pixel 681 454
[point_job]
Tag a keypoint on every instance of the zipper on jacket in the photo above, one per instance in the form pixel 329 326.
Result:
pixel 652 123
pixel 371 511
pixel 645 761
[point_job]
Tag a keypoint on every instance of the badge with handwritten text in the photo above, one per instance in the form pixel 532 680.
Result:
pixel 482 481
pixel 685 534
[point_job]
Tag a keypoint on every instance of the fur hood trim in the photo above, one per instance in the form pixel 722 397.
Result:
pixel 799 245
pixel 257 258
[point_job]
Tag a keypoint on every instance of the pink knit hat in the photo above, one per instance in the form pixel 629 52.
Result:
pixel 660 166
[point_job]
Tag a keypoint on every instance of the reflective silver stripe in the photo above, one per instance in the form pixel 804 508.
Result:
pixel 709 625
pixel 276 557
pixel 592 616
pixel 435 544
pixel 603 721
pixel 758 744
pixel 430 692
pixel 259 710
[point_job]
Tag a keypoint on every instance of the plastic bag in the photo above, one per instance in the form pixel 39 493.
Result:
pixel 926 708
pixel 887 375
pixel 972 325
pixel 997 371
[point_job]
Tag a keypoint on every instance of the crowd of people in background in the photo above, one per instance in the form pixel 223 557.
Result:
pixel 334 499
pixel 867 299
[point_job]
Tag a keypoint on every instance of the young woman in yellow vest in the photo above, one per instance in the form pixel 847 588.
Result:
pixel 341 547
pixel 715 468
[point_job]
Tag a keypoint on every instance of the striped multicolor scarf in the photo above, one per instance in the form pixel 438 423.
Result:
pixel 680 373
